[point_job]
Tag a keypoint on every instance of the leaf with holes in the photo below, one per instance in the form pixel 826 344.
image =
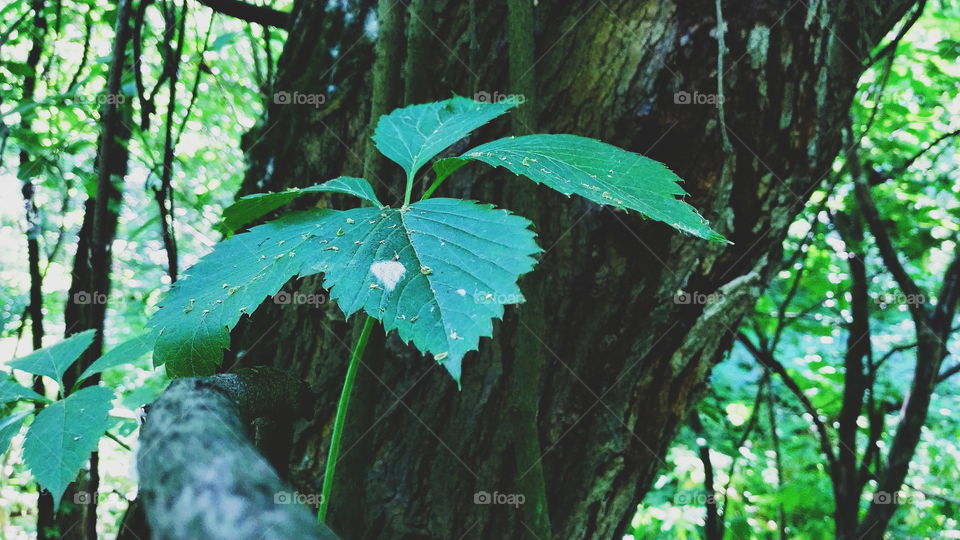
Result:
pixel 63 435
pixel 196 316
pixel 595 170
pixel 251 207
pixel 413 135
pixel 438 271
pixel 54 360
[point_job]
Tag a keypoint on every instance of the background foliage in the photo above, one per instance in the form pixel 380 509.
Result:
pixel 907 114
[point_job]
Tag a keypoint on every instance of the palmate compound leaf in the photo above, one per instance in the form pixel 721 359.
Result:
pixel 54 360
pixel 438 271
pixel 251 207
pixel 63 435
pixel 413 135
pixel 196 316
pixel 595 170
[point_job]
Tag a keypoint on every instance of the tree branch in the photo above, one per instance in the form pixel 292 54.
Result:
pixel 891 48
pixel 762 385
pixel 887 252
pixel 856 381
pixel 262 15
pixel 947 373
pixel 775 366
pixel 201 475
pixel 947 297
pixel 908 163
pixel 711 529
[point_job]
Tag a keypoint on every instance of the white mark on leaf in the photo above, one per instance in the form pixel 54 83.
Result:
pixel 389 273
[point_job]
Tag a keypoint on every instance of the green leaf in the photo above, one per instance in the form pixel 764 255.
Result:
pixel 413 135
pixel 223 40
pixel 53 361
pixel 251 207
pixel 63 435
pixel 438 271
pixel 196 316
pixel 125 353
pixel 11 390
pixel 597 171
pixel 9 427
pixel 18 68
pixel 444 168
pixel 348 185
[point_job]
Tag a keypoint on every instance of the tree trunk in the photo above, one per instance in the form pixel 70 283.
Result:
pixel 624 361
pixel 86 306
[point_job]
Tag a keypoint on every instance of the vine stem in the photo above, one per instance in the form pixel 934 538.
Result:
pixel 409 190
pixel 342 406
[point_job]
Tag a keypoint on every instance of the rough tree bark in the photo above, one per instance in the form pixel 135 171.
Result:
pixel 624 362
pixel 201 475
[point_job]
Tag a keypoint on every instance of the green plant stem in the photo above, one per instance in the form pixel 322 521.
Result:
pixel 334 454
pixel 433 187
pixel 117 440
pixel 409 190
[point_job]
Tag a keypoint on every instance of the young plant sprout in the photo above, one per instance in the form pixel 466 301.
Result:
pixel 418 269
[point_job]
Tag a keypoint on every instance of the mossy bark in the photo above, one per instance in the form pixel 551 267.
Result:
pixel 201 475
